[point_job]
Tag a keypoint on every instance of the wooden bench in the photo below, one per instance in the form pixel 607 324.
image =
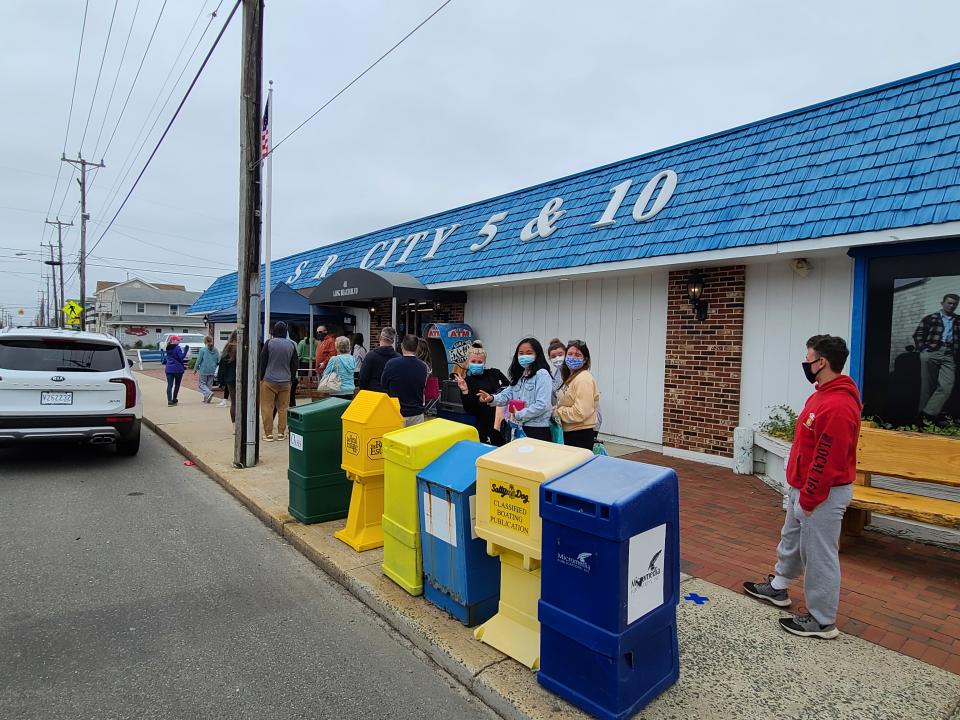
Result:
pixel 910 456
pixel 150 356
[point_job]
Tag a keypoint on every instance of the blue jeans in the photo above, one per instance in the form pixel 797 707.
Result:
pixel 173 386
pixel 205 384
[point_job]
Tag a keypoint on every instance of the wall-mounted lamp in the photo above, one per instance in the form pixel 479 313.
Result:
pixel 695 295
pixel 373 309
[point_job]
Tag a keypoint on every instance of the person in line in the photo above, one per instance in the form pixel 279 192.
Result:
pixel 404 378
pixel 491 381
pixel 371 372
pixel 578 399
pixel 431 391
pixel 206 368
pixel 294 335
pixel 937 339
pixel 278 365
pixel 358 350
pixel 303 352
pixel 326 349
pixel 343 365
pixel 820 471
pixel 531 383
pixel 227 375
pixel 175 364
pixel 556 354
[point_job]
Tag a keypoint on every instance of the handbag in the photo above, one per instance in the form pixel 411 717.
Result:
pixel 329 384
pixel 556 431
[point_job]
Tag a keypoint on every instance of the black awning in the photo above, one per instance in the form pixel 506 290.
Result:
pixel 352 285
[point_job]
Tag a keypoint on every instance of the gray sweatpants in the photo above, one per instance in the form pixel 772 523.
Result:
pixel 810 546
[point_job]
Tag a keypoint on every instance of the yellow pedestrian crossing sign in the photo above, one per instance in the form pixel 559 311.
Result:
pixel 72 310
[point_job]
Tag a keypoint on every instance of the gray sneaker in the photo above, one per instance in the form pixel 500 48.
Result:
pixel 764 591
pixel 807 626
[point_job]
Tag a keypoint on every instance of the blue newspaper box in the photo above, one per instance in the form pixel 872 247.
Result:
pixel 459 576
pixel 610 585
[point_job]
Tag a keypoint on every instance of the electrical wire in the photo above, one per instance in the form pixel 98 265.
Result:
pixel 96 87
pixel 355 80
pixel 183 102
pixel 116 78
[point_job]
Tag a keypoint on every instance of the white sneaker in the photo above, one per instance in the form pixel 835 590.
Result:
pixel 268 438
pixel 282 436
pixel 222 403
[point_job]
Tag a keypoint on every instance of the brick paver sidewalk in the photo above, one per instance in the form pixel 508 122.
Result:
pixel 899 594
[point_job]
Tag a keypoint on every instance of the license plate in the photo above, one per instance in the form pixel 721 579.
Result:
pixel 56 398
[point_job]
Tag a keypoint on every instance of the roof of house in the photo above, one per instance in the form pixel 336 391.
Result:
pixel 106 284
pixel 878 159
pixel 149 295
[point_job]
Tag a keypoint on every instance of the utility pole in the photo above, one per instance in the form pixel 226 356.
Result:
pixel 63 297
pixel 84 216
pixel 247 443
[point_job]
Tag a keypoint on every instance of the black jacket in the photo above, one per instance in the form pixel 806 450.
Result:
pixel 490 380
pixel 372 369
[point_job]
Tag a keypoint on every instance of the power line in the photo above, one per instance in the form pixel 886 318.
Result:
pixel 356 79
pixel 116 78
pixel 135 78
pixel 96 87
pixel 193 83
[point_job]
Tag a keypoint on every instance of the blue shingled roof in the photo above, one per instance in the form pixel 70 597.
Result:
pixel 882 158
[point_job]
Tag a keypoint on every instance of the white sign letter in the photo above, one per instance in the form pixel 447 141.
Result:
pixel 439 238
pixel 296 273
pixel 386 257
pixel 489 230
pixel 321 273
pixel 609 212
pixel 412 241
pixel 669 178
pixel 382 245
pixel 543 224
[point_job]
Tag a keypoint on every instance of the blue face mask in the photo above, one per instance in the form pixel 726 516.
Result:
pixel 574 363
pixel 476 369
pixel 526 360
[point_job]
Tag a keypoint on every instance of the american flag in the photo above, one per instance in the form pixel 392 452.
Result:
pixel 265 132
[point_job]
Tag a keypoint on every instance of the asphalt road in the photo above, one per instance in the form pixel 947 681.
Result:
pixel 138 588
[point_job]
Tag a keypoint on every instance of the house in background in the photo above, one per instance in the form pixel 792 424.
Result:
pixel 135 310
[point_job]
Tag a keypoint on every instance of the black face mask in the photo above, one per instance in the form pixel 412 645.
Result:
pixel 321 335
pixel 811 376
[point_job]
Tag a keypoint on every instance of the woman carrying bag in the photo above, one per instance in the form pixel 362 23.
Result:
pixel 578 398
pixel 337 378
pixel 527 397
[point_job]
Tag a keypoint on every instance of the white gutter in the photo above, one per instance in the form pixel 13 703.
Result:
pixel 795 248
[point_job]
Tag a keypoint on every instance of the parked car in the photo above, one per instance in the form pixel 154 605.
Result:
pixel 193 340
pixel 67 385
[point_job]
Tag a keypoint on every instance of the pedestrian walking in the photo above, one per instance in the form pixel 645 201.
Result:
pixel 175 365
pixel 491 381
pixel 342 365
pixel 404 378
pixel 820 471
pixel 227 375
pixel 532 385
pixel 278 365
pixel 371 372
pixel 556 354
pixel 578 399
pixel 206 368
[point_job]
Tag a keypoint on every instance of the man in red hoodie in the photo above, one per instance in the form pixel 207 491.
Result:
pixel 820 472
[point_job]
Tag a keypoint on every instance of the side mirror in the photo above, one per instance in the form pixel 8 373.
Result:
pixel 129 362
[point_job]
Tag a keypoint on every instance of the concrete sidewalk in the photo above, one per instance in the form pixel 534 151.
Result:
pixel 735 661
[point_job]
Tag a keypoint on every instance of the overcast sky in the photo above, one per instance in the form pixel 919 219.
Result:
pixel 488 97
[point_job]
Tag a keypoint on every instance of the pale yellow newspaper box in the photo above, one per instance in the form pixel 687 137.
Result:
pixel 370 416
pixel 508 518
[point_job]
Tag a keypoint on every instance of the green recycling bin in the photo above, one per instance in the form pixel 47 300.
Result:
pixel 319 489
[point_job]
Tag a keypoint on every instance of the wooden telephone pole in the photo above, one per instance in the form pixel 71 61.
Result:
pixel 59 263
pixel 84 216
pixel 247 443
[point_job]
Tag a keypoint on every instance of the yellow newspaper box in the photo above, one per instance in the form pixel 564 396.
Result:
pixel 508 518
pixel 368 418
pixel 407 452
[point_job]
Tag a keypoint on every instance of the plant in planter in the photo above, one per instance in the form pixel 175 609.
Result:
pixel 780 423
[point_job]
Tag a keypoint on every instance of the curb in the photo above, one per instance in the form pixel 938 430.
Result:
pixel 478 682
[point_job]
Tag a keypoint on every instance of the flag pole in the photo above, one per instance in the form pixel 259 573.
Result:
pixel 268 211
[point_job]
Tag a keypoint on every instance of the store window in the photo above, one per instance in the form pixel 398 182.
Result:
pixel 911 348
pixel 141 308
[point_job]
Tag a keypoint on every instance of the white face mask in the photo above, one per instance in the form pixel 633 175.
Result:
pixel 557 362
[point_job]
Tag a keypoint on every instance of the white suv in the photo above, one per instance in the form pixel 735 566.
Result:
pixel 63 384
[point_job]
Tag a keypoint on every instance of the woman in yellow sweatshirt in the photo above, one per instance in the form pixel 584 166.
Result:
pixel 578 398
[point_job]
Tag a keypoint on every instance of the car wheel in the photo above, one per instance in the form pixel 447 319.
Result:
pixel 130 446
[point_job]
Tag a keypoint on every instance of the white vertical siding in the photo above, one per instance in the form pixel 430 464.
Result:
pixel 782 310
pixel 621 318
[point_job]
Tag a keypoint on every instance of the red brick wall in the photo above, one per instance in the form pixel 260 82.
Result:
pixel 379 320
pixel 701 404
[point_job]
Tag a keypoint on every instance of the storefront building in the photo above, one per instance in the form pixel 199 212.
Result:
pixel 696 273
